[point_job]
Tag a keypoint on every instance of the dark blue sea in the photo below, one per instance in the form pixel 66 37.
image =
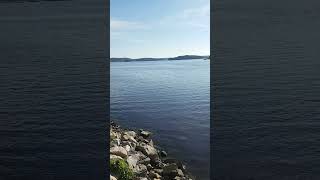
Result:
pixel 171 99
pixel 266 90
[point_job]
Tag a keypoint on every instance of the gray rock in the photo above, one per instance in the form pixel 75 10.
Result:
pixel 119 151
pixel 145 161
pixel 178 163
pixel 180 173
pixel 149 167
pixel 141 155
pixel 128 148
pixel 112 177
pixel 125 137
pixel 142 178
pixel 130 133
pixel 155 175
pixel 141 170
pixel 157 163
pixel 115 142
pixel 115 157
pixel 132 139
pixel 163 154
pixel 151 143
pixel 131 144
pixel 145 134
pixel 132 160
pixel 159 171
pixel 147 150
pixel 170 170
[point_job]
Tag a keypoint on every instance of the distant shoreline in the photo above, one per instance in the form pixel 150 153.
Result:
pixel 185 57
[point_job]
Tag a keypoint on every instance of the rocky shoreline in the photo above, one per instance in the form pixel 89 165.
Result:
pixel 133 156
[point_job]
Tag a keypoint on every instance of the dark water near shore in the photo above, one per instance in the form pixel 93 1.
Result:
pixel 171 99
pixel 53 90
pixel 266 90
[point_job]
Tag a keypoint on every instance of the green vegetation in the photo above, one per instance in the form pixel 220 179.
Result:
pixel 120 168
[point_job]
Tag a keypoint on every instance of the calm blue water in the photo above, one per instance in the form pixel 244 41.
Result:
pixel 170 98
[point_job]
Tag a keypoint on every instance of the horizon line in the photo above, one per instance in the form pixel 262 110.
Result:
pixel 162 57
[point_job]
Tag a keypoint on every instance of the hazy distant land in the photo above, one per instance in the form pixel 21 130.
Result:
pixel 184 57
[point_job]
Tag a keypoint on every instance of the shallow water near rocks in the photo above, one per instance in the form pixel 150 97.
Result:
pixel 170 99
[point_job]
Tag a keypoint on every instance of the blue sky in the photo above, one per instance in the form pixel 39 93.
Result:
pixel 159 28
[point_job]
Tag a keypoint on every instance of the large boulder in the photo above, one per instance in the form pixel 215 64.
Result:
pixel 147 150
pixel 132 160
pixel 130 133
pixel 145 161
pixel 145 134
pixel 141 170
pixel 170 170
pixel 119 151
pixel 175 161
pixel 112 156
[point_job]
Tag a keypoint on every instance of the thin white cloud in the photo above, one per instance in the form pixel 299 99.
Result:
pixel 123 25
pixel 197 17
pixel 203 11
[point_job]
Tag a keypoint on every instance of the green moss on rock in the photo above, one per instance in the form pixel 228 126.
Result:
pixel 120 168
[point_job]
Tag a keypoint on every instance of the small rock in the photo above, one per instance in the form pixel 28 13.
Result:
pixel 180 173
pixel 132 139
pixel 112 156
pixel 131 144
pixel 141 170
pixel 154 175
pixel 141 155
pixel 157 163
pixel 175 161
pixel 163 154
pixel 119 151
pixel 132 160
pixel 159 171
pixel 142 178
pixel 125 137
pixel 128 148
pixel 151 143
pixel 145 134
pixel 112 177
pixel 170 170
pixel 115 142
pixel 149 167
pixel 145 161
